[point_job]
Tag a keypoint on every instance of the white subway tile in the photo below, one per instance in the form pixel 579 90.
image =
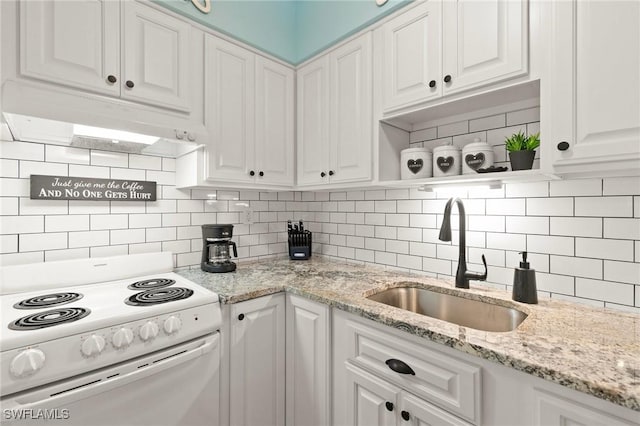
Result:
pixel 365 230
pixel 636 206
pixel 128 236
pixel 161 206
pixel 462 140
pixel 337 217
pixel 347 252
pixel 397 194
pixel 179 246
pixel 8 168
pixel 21 224
pixel 49 241
pixel 38 207
pixel 409 206
pixel 337 240
pixel 259 250
pixel 384 258
pixel 621 186
pixel 605 290
pixel 508 207
pixel 159 234
pixel 486 123
pixel 604 206
pixel 417 194
pixel 605 249
pixel 493 257
pixel 575 187
pixel 147 162
pixel 637 250
pixel 88 171
pixel 550 244
pixel 374 244
pixel 335 196
pixel 624 272
pixel 498 136
pixel 88 239
pixel 288 196
pixel 10 187
pixel 398 247
pixel 576 226
pixel 379 194
pixel 188 232
pixel 355 218
pixel 436 266
pixel 357 242
pixel 128 174
pixel 144 248
pixel 423 135
pixel 328 206
pixel 486 223
pixel 109 221
pixel 107 251
pixel 453 129
pixel 9 244
pixel 108 158
pixel 555 283
pixel 448 252
pixel 638 295
pixel 422 249
pixel 59 223
pixel 527 225
pixel 422 221
pixel 145 220
pixel 162 178
pixel 410 234
pixel 21 258
pixel 365 255
pixel 576 266
pixel 410 262
pixel 538 261
pixel 374 218
pixel 22 150
pixel 268 238
pixel 346 229
pixel 190 206
pixel 88 207
pixel 66 154
pixel 187 259
pixel 9 206
pixel 624 229
pixel 528 115
pixel 397 220
pixel 506 241
pixel 549 206
pixel 66 254
pixel 346 206
pixel 128 206
pixel 500 277
pixel 198 219
pixel 28 168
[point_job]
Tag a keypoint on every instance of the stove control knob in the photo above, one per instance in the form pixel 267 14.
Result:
pixel 122 338
pixel 27 362
pixel 172 325
pixel 93 345
pixel 148 331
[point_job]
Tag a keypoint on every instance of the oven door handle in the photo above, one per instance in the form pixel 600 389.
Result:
pixel 59 395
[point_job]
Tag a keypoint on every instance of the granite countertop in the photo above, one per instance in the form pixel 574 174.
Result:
pixel 591 350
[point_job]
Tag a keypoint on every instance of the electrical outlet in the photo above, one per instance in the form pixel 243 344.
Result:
pixel 247 216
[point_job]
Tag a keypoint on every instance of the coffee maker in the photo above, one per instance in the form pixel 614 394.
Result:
pixel 216 256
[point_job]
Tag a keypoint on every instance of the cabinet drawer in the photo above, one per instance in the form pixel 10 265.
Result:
pixel 446 382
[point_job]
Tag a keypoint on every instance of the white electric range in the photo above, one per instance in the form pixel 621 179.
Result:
pixel 118 341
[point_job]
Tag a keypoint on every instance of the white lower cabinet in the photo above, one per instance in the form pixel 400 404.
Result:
pixel 257 362
pixel 308 362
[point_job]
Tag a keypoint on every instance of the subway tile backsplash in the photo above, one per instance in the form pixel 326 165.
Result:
pixel 582 235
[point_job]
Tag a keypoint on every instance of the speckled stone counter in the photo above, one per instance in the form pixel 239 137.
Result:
pixel 595 351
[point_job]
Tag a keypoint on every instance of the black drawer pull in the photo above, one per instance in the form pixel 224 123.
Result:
pixel 405 415
pixel 563 146
pixel 399 366
pixel 389 406
pixel 241 317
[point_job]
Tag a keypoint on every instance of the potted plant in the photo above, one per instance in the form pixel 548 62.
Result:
pixel 522 150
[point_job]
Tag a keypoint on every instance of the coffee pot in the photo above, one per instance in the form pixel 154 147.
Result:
pixel 216 250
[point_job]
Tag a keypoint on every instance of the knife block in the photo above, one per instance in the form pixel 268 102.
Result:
pixel 299 245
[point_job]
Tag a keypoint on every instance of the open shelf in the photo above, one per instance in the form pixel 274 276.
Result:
pixel 534 175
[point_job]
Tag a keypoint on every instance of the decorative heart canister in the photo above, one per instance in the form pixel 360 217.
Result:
pixel 415 163
pixel 476 155
pixel 446 161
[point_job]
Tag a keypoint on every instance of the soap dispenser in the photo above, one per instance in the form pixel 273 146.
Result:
pixel 524 282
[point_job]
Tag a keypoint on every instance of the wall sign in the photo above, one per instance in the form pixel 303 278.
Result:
pixel 79 188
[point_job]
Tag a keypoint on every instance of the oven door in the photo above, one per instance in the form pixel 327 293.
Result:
pixel 175 386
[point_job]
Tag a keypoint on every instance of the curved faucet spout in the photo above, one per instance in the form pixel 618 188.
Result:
pixel 462 275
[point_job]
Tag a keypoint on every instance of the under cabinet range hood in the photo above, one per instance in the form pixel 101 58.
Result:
pixel 34 115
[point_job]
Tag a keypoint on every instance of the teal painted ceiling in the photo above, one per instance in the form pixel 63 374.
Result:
pixel 292 30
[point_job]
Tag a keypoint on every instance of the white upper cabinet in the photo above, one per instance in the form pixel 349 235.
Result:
pixel 591 92
pixel 229 109
pixel 440 47
pixel 483 42
pixel 155 52
pixel 335 115
pixel 412 66
pixel 74 43
pixel 274 114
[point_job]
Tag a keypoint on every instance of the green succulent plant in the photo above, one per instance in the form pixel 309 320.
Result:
pixel 520 142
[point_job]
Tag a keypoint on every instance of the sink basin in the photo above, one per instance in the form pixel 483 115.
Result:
pixel 458 310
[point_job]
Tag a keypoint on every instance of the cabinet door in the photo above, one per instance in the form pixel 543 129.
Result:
pixel 483 42
pixel 420 412
pixel 75 43
pixel 229 110
pixel 274 122
pixel 412 60
pixel 592 90
pixel 351 111
pixel 313 122
pixel 370 400
pixel 552 410
pixel 308 357
pixel 155 55
pixel 257 356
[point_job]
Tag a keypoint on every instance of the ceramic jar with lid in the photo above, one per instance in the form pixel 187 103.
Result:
pixel 476 155
pixel 415 163
pixel 446 161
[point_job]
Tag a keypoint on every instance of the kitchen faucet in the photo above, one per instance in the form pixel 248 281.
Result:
pixel 462 275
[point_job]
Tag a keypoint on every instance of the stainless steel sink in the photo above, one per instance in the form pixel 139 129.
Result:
pixel 458 310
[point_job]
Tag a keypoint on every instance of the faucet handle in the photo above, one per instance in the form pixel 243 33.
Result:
pixel 478 277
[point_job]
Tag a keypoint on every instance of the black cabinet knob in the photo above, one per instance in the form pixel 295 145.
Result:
pixel 129 84
pixel 252 173
pixel 323 174
pixel 112 79
pixel 241 317
pixel 447 78
pixel 399 366
pixel 261 173
pixel 331 173
pixel 405 415
pixel 432 83
pixel 563 146
pixel 389 406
